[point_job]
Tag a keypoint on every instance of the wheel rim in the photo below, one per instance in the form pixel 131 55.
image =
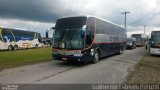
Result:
pixel 120 51
pixel 9 48
pixel 15 48
pixel 96 56
pixel 36 46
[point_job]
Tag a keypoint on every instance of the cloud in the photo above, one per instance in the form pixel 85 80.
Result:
pixel 47 11
pixel 26 10
pixel 27 25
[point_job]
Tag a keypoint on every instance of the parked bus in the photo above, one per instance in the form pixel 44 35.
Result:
pixel 87 38
pixel 141 39
pixel 154 43
pixel 13 39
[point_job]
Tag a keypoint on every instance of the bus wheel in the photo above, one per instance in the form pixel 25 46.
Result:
pixel 96 57
pixel 10 48
pixel 36 46
pixel 15 47
pixel 120 50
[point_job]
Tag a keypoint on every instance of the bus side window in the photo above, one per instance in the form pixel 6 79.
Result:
pixel 90 31
pixel 39 38
pixel 5 39
pixel 88 38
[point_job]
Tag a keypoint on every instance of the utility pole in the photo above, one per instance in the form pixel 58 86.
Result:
pixel 144 29
pixel 125 13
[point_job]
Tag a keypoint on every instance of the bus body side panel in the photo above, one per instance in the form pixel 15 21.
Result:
pixel 106 48
pixel 110 38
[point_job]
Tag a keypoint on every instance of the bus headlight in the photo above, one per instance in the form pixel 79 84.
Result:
pixel 78 54
pixel 92 52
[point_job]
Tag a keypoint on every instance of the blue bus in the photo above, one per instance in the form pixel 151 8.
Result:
pixel 86 39
pixel 14 39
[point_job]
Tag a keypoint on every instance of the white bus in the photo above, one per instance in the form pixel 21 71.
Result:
pixel 154 43
pixel 13 39
pixel 141 39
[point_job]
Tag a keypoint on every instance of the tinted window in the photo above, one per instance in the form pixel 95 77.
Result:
pixel 6 32
pixel 70 37
pixel 136 35
pixel 39 37
pixel 155 37
pixel 109 28
pixel 7 35
pixel 73 22
pixel 90 31
pixel 23 33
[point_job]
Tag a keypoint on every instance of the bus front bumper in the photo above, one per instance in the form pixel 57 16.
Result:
pixel 155 51
pixel 68 58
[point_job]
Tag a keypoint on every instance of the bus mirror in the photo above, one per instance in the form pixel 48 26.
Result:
pixel 46 34
pixel 82 33
pixel 53 28
pixel 146 47
pixel 47 31
pixel 149 41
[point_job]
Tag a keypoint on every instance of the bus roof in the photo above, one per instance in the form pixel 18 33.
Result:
pixel 156 31
pixel 88 16
pixel 18 29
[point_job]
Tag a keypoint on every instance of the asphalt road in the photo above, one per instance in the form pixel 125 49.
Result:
pixel 109 70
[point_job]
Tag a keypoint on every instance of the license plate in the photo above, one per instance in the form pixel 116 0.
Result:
pixel 64 59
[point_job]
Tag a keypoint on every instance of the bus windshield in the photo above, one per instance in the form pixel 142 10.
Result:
pixel 138 40
pixel 155 39
pixel 138 37
pixel 68 39
pixel 67 33
pixel 129 40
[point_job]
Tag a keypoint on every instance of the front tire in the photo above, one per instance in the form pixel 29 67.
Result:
pixel 15 47
pixel 10 48
pixel 96 57
pixel 36 46
pixel 120 51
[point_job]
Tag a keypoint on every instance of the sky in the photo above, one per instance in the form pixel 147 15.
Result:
pixel 40 15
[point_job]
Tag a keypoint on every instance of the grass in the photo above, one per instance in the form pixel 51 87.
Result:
pixel 152 61
pixel 147 71
pixel 9 59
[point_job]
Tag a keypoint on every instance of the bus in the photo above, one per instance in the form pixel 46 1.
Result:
pixel 86 39
pixel 141 39
pixel 154 43
pixel 14 39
